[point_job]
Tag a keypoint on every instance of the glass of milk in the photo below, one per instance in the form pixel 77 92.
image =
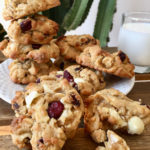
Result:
pixel 134 38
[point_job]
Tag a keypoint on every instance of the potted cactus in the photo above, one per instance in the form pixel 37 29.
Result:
pixel 72 13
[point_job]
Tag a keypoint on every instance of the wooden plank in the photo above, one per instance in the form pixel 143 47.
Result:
pixel 4 130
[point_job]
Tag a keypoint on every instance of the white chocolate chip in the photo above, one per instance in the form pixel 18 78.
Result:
pixel 29 98
pixel 47 89
pixel 78 80
pixel 135 125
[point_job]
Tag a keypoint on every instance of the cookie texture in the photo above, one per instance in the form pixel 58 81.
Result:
pixel 28 71
pixel 21 131
pixel 115 142
pixel 72 45
pixel 110 109
pixel 37 52
pixel 36 29
pixel 116 63
pixel 15 9
pixel 55 108
pixel 85 80
pixel 62 63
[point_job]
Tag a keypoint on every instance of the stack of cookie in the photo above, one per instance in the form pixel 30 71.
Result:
pixel 60 93
pixel 30 40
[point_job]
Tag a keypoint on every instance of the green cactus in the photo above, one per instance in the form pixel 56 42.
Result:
pixel 76 14
pixel 104 20
pixel 2 33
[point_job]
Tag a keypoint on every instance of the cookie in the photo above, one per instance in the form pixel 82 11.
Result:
pixel 28 71
pixel 85 80
pixel 37 52
pixel 116 63
pixel 115 142
pixel 72 45
pixel 36 29
pixel 15 9
pixel 56 109
pixel 110 109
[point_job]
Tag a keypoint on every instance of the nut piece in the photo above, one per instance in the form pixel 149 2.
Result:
pixel 99 136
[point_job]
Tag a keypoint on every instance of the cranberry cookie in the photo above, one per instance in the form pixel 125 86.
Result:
pixel 117 63
pixel 110 109
pixel 56 109
pixel 35 29
pixel 37 52
pixel 72 45
pixel 85 80
pixel 28 71
pixel 15 9
pixel 115 142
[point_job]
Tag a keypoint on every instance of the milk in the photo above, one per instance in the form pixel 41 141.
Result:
pixel 134 40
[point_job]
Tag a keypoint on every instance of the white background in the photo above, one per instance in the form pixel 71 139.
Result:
pixel 88 26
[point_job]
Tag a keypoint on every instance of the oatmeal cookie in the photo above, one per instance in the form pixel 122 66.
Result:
pixel 72 45
pixel 56 109
pixel 85 80
pixel 115 142
pixel 116 63
pixel 37 52
pixel 36 29
pixel 28 71
pixel 110 109
pixel 15 9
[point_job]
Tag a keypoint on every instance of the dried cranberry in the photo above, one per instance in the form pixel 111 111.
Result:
pixel 78 69
pixel 122 56
pixel 62 66
pixel 25 25
pixel 15 106
pixel 58 76
pixel 26 75
pixel 68 76
pixel 38 80
pixel 36 46
pixel 148 106
pixel 75 101
pixel 55 109
pixel 41 140
pixel 76 87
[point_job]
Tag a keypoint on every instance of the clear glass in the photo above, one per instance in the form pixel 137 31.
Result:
pixel 134 37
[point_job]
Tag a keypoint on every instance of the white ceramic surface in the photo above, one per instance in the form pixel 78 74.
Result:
pixel 8 88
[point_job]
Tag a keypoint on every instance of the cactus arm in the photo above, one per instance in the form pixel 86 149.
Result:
pixel 75 15
pixel 86 11
pixel 104 20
